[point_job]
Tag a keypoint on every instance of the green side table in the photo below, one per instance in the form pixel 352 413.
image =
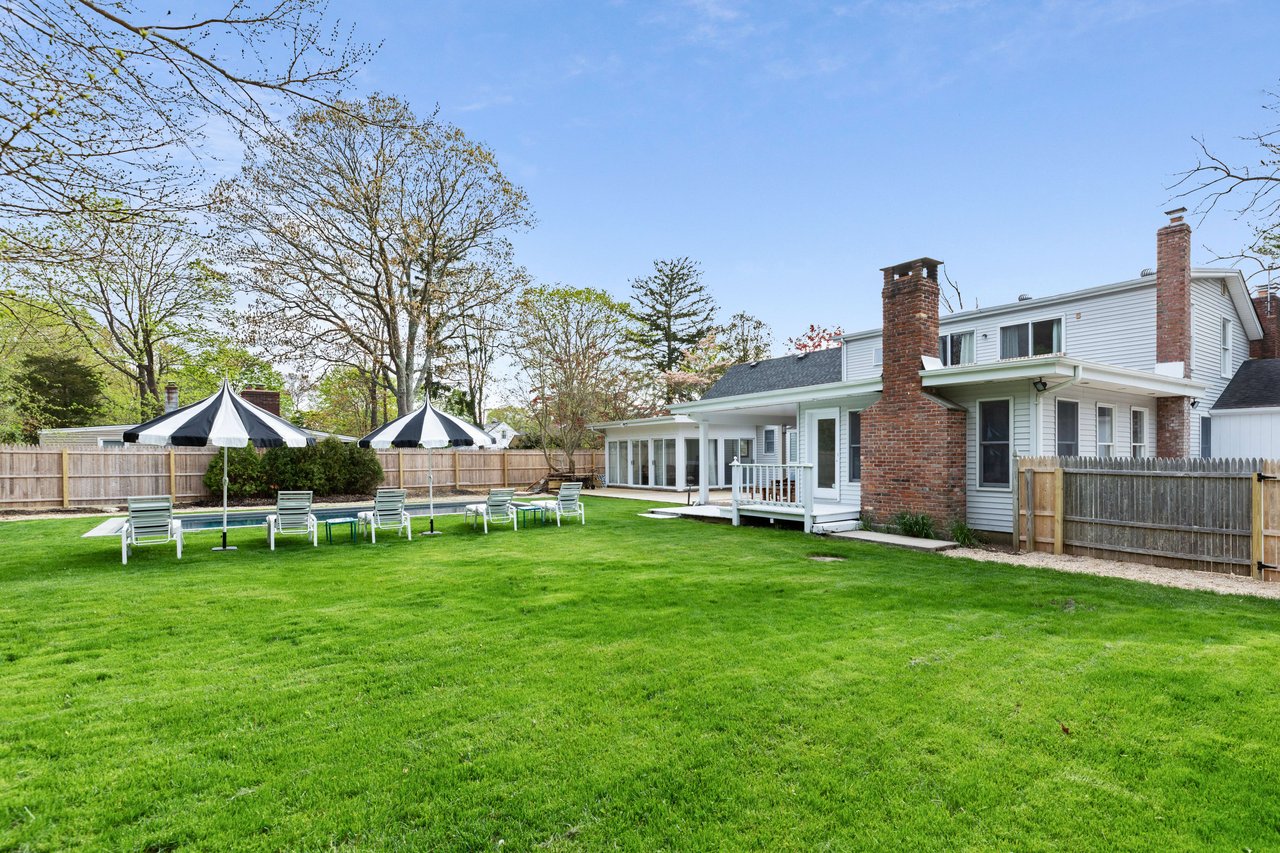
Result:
pixel 330 523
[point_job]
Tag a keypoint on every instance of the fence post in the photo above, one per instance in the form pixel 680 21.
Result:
pixel 1017 509
pixel 1257 557
pixel 1030 489
pixel 173 476
pixel 456 478
pixel 504 468
pixel 1058 492
pixel 66 477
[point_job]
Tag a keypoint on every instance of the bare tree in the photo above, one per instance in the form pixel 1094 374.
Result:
pixel 131 289
pixel 1250 191
pixel 361 231
pixel 98 99
pixel 745 338
pixel 951 296
pixel 481 338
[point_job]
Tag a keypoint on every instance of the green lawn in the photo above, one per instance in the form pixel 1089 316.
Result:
pixel 633 684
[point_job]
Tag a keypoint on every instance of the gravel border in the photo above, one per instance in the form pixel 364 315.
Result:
pixel 1222 584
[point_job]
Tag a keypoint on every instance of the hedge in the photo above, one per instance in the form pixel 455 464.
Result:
pixel 329 467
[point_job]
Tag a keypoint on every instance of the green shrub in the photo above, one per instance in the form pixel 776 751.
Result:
pixel 962 534
pixel 244 473
pixel 363 472
pixel 913 524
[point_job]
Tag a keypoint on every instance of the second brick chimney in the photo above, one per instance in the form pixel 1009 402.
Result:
pixel 913 456
pixel 263 398
pixel 1268 307
pixel 1173 330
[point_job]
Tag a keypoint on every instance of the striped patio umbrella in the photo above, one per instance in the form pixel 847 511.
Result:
pixel 430 428
pixel 224 419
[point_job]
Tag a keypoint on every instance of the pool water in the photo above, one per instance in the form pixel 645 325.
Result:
pixel 258 518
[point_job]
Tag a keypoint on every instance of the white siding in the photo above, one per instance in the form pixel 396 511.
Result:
pixel 850 492
pixel 768 458
pixel 992 509
pixel 859 359
pixel 1209 305
pixel 1117 328
pixel 1247 433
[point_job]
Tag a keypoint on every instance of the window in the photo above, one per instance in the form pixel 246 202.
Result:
pixel 824 434
pixel 1043 337
pixel 994 446
pixel 735 448
pixel 770 442
pixel 1225 348
pixel 956 348
pixel 691 461
pixel 855 446
pixel 111 442
pixel 1138 432
pixel 1106 431
pixel 617 463
pixel 1068 428
pixel 640 463
pixel 1206 438
pixel 877 357
pixel 793 445
pixel 713 464
pixel 664 462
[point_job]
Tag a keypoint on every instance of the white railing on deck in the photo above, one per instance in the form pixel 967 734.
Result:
pixel 787 486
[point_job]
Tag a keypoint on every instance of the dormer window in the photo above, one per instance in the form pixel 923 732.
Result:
pixel 956 348
pixel 1042 337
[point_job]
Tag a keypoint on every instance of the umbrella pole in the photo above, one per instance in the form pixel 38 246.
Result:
pixel 225 546
pixel 431 492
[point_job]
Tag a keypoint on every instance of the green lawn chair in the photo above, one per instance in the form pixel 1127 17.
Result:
pixel 567 503
pixel 293 517
pixel 388 514
pixel 497 509
pixel 150 522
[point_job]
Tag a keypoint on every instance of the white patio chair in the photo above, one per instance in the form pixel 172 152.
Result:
pixel 388 513
pixel 150 522
pixel 497 509
pixel 568 503
pixel 293 517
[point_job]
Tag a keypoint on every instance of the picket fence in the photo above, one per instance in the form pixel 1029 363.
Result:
pixel 1218 515
pixel 41 477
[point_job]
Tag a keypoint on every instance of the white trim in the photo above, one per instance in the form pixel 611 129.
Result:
pixel 799 394
pixel 977 445
pixel 812 416
pixel 1051 366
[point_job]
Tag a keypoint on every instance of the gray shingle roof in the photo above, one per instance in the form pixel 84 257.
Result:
pixel 790 371
pixel 1256 384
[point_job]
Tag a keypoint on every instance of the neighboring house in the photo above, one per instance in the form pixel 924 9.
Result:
pixel 1246 417
pixel 665 453
pixel 928 414
pixel 503 434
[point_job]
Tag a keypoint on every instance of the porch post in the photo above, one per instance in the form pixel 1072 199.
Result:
pixel 704 471
pixel 808 481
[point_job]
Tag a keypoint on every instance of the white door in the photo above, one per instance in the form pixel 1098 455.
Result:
pixel 821 452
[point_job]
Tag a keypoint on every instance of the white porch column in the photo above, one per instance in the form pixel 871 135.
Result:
pixel 704 459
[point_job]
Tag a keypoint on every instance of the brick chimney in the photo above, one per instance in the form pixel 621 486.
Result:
pixel 171 397
pixel 1268 308
pixel 263 398
pixel 1173 330
pixel 913 456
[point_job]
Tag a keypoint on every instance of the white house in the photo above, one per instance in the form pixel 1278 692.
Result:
pixel 1246 416
pixel 928 414
pixel 503 434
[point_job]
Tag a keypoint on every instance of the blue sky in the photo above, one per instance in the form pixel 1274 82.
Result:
pixel 796 148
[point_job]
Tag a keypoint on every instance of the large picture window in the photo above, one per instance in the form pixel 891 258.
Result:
pixel 956 348
pixel 855 446
pixel 1068 428
pixel 1043 337
pixel 995 431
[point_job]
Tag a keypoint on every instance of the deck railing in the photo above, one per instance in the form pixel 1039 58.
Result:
pixel 788 486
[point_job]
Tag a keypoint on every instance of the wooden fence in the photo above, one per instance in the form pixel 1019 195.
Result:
pixel 41 477
pixel 1219 515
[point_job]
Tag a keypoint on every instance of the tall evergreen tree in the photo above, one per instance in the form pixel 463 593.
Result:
pixel 672 311
pixel 53 390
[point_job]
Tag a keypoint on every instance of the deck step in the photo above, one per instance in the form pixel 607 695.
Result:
pixel 897 541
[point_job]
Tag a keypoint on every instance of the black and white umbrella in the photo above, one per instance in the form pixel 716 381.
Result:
pixel 224 420
pixel 430 428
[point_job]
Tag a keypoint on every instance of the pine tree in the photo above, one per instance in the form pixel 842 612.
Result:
pixel 672 311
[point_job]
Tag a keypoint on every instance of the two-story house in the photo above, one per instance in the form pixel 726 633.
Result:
pixel 927 414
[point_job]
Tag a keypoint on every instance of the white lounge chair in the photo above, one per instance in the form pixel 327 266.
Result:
pixel 150 522
pixel 567 503
pixel 388 513
pixel 497 509
pixel 293 517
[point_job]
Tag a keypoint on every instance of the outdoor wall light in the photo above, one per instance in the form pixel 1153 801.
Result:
pixel 1040 385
